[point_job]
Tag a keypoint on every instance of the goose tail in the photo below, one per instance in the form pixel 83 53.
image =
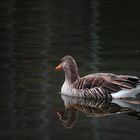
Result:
pixel 127 93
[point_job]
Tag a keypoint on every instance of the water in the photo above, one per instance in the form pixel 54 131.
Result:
pixel 103 36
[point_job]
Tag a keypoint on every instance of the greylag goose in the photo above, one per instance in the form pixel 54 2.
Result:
pixel 92 108
pixel 98 85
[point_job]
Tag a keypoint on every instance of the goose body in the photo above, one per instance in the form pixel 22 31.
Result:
pixel 98 85
pixel 94 108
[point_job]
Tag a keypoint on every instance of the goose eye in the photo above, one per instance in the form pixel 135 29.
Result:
pixel 63 64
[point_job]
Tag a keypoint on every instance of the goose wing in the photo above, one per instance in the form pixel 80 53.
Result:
pixel 109 82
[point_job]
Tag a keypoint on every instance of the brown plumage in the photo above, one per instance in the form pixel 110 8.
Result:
pixel 90 107
pixel 109 82
pixel 94 83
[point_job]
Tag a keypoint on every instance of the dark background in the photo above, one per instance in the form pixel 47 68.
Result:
pixel 102 35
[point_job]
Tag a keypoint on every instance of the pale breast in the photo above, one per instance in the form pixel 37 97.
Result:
pixel 65 87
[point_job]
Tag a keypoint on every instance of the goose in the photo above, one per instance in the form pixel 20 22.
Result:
pixel 97 85
pixel 68 114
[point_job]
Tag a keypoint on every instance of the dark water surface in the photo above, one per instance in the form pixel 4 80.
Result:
pixel 103 36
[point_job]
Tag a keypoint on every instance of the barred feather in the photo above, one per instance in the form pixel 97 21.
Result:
pixel 99 85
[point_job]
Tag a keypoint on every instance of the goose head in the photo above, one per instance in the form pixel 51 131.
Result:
pixel 69 66
pixel 68 117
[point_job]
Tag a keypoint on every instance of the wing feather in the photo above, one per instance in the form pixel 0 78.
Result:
pixel 109 82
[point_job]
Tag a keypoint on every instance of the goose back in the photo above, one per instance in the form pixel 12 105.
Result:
pixel 109 82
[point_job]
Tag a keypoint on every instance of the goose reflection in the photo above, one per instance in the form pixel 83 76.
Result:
pixel 93 108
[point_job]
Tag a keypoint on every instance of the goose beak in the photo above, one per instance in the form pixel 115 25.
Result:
pixel 58 68
pixel 60 113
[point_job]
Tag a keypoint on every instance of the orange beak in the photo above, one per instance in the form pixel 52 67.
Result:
pixel 60 113
pixel 58 68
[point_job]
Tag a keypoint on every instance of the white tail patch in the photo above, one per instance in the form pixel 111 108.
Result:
pixel 126 93
pixel 133 104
